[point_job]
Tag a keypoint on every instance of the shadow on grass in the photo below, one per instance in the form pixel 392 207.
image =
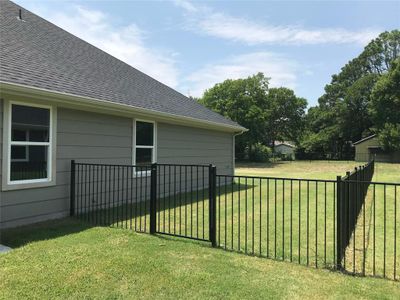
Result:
pixel 118 216
pixel 105 214
pixel 20 236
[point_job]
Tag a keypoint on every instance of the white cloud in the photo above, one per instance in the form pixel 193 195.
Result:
pixel 206 21
pixel 126 43
pixel 281 70
pixel 186 5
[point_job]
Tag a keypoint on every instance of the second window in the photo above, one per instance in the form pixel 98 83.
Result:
pixel 145 140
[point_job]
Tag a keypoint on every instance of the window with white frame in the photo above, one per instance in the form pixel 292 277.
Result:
pixel 21 153
pixel 144 152
pixel 29 143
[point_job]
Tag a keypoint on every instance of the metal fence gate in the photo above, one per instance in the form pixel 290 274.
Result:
pixel 184 201
pixel 348 224
pixel 171 199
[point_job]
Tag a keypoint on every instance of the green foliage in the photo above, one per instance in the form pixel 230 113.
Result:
pixel 385 98
pixel 284 156
pixel 363 98
pixel 284 115
pixel 241 100
pixel 360 99
pixel 389 137
pixel 269 114
pixel 385 108
pixel 354 108
pixel 259 153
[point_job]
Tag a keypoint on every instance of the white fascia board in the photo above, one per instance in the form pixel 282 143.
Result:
pixel 120 109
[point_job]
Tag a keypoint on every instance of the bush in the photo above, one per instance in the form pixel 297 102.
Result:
pixel 259 153
pixel 287 157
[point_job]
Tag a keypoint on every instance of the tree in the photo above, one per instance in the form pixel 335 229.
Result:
pixel 284 115
pixel 356 121
pixel 269 114
pixel 389 137
pixel 343 112
pixel 385 107
pixel 243 101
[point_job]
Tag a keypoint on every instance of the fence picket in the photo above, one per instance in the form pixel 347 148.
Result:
pixel 284 211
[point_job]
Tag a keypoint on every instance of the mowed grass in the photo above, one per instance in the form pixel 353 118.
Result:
pixel 316 169
pixel 374 247
pixel 375 243
pixel 294 220
pixel 283 219
pixel 68 259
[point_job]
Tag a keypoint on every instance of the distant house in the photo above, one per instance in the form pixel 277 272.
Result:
pixel 368 148
pixel 62 99
pixel 286 149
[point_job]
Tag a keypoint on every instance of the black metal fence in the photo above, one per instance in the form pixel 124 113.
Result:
pixel 111 195
pixel 161 198
pixel 282 218
pixel 368 226
pixel 348 224
pixel 351 195
pixel 184 201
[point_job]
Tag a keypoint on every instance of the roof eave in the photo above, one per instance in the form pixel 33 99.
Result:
pixel 365 139
pixel 68 98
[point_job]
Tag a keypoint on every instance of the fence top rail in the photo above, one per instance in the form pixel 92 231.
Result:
pixel 145 166
pixel 357 169
pixel 113 165
pixel 184 165
pixel 372 182
pixel 278 178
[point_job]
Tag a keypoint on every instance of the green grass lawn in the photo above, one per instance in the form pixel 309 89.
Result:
pixel 377 240
pixel 317 169
pixel 68 260
pixel 104 262
pixel 295 221
pixel 285 220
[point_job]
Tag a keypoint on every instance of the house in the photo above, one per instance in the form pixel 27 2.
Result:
pixel 368 148
pixel 286 149
pixel 62 99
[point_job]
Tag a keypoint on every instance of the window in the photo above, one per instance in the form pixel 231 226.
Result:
pixel 20 153
pixel 29 144
pixel 144 152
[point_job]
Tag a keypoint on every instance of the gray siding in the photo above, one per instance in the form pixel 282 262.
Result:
pixel 1 140
pixel 1 152
pixel 88 137
pixel 2 210
pixel 101 138
pixel 186 145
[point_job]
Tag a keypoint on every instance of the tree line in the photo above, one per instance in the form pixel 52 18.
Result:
pixel 362 99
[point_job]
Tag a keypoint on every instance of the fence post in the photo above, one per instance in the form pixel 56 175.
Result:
pixel 212 180
pixel 72 189
pixel 355 205
pixel 153 199
pixel 339 224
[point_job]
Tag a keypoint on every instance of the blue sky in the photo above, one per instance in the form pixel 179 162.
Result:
pixel 191 45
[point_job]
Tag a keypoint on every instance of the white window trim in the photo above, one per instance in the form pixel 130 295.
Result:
pixel 134 146
pixel 7 184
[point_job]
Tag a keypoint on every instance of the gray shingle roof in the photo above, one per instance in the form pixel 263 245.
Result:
pixel 36 53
